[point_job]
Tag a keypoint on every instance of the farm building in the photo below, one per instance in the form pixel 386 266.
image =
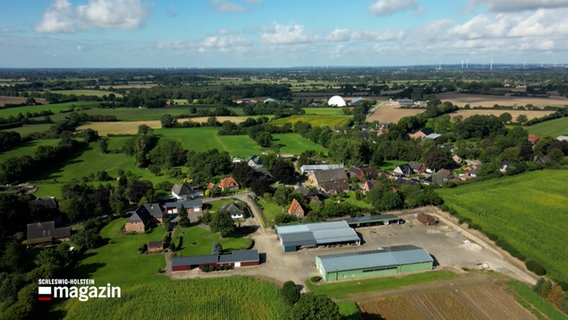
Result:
pixel 238 258
pixel 381 262
pixel 378 220
pixel 321 234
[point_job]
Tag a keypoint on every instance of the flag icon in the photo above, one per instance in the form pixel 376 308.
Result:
pixel 44 293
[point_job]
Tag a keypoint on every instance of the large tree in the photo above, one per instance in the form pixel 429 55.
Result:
pixel 223 223
pixel 312 306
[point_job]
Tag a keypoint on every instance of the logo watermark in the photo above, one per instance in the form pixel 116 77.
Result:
pixel 82 289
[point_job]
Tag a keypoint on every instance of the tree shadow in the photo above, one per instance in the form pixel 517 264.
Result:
pixel 364 315
pixel 244 231
pixel 86 270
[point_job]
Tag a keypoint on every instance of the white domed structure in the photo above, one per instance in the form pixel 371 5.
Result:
pixel 336 101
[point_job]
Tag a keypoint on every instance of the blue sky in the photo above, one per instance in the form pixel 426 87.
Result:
pixel 270 33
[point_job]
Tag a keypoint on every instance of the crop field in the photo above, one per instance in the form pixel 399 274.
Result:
pixel 391 113
pixel 56 108
pixel 488 101
pixel 147 294
pixel 198 241
pixel 314 120
pixel 553 128
pixel 485 301
pixel 324 111
pixel 207 299
pixel 206 138
pixel 16 100
pixel 529 299
pixel 527 211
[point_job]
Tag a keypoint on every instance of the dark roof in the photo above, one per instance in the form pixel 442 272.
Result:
pixel 240 255
pixel 152 209
pixel 233 209
pixel 335 185
pixel 405 168
pixel 427 131
pixel 415 165
pixel 44 202
pixel 156 244
pixel 298 239
pixel 181 190
pixel 376 218
pixel 235 256
pixel 330 175
pixel 186 204
pixel 45 230
pixel 306 192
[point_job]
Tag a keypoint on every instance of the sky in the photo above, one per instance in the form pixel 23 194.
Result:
pixel 283 33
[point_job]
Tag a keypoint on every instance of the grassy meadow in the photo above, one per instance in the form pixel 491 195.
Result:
pixel 528 211
pixel 553 128
pixel 56 108
pixel 28 149
pixel 148 294
pixel 324 111
pixel 85 92
pixel 294 143
pixel 315 120
pixel 29 129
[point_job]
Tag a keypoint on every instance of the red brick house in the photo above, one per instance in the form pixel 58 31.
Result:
pixel 533 139
pixel 155 246
pixel 229 184
pixel 367 174
pixel 296 209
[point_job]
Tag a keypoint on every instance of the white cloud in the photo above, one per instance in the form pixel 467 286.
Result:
pixel 6 29
pixel 112 14
pixel 228 6
pixel 385 35
pixel 286 35
pixel 61 16
pixel 388 7
pixel 216 43
pixel 338 35
pixel 521 5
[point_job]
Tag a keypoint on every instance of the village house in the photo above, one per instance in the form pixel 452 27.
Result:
pixel 185 191
pixel 234 209
pixel 369 173
pixel 296 209
pixel 229 184
pixel 417 167
pixel 193 209
pixel 421 134
pixel 155 246
pixel 368 185
pixel 331 181
pixel 533 139
pixel 402 170
pixel 46 232
pixel 311 168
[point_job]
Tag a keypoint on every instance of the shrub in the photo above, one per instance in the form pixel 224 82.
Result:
pixel 563 303
pixel 535 267
pixel 315 279
pixel 542 287
pixel 290 292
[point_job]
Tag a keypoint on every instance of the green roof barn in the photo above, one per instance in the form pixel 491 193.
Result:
pixel 382 262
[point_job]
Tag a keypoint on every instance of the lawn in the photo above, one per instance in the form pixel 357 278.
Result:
pixel 119 261
pixel 147 294
pixel 352 199
pixel 342 289
pixel 527 211
pixel 553 128
pixel 349 310
pixel 206 138
pixel 294 143
pixel 270 209
pixel 198 241
pixel 314 120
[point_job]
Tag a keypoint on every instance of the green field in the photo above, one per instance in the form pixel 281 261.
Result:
pixel 553 128
pixel 206 138
pixel 342 289
pixel 533 302
pixel 198 241
pixel 294 143
pixel 85 92
pixel 315 120
pixel 527 211
pixel 56 108
pixel 28 149
pixel 145 293
pixel 28 129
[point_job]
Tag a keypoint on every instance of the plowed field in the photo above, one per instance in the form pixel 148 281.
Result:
pixel 484 301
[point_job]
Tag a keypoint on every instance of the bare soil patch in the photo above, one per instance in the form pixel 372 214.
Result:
pixel 488 101
pixel 4 100
pixel 473 300
pixel 131 127
pixel 391 113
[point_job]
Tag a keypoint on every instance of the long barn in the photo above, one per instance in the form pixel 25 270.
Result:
pixel 321 234
pixel 238 258
pixel 384 261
